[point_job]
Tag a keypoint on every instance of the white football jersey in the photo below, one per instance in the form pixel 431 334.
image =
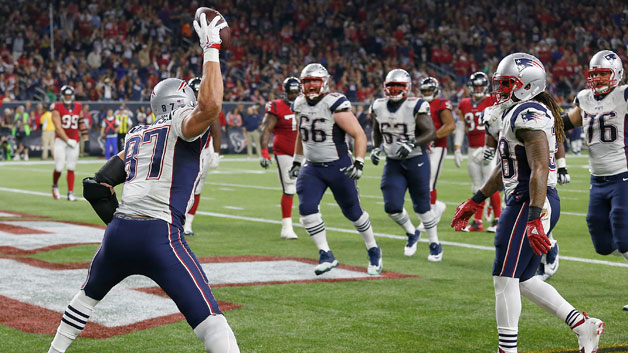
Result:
pixel 162 168
pixel 605 123
pixel 529 115
pixel 323 140
pixel 492 119
pixel 400 124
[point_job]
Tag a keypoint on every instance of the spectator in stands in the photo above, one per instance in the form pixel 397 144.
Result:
pixel 250 130
pixel 21 129
pixel 47 132
pixel 6 122
pixel 234 119
pixel 124 117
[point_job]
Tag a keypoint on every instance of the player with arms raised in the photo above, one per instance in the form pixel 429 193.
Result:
pixel 324 121
pixel 67 117
pixel 161 164
pixel 526 147
pixel 471 109
pixel 403 125
pixel 603 112
pixel 280 121
pixel 443 119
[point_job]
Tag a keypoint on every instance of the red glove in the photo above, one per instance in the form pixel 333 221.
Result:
pixel 463 213
pixel 539 242
pixel 265 153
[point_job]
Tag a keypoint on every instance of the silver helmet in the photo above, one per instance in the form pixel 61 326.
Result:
pixel 169 95
pixel 605 72
pixel 397 84
pixel 195 84
pixel 67 94
pixel 478 85
pixel 520 75
pixel 430 88
pixel 315 80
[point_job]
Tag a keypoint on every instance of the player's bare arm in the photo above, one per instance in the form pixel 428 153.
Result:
pixel 216 137
pixel 376 134
pixel 83 127
pixel 574 117
pixel 349 123
pixel 56 119
pixel 537 153
pixel 425 131
pixel 490 142
pixel 448 124
pixel 268 125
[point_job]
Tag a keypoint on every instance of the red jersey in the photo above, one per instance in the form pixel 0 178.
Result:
pixel 437 105
pixel 472 115
pixel 69 118
pixel 286 129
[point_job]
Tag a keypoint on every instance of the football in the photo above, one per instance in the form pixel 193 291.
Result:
pixel 225 33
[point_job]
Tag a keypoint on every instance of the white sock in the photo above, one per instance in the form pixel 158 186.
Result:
pixel 216 335
pixel 286 223
pixel 429 222
pixel 363 225
pixel 315 227
pixel 73 321
pixel 507 310
pixel 403 220
pixel 546 296
pixel 189 218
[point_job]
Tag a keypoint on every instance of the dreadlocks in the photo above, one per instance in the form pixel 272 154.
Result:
pixel 550 102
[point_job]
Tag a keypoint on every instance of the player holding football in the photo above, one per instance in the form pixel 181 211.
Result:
pixel 602 110
pixel 470 110
pixel 527 144
pixel 161 164
pixel 210 159
pixel 67 117
pixel 404 127
pixel 443 119
pixel 280 121
pixel 324 121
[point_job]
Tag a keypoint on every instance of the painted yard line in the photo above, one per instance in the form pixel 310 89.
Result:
pixel 101 161
pixel 392 236
pixel 233 208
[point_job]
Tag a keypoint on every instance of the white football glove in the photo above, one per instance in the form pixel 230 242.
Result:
pixel 563 175
pixel 375 155
pixel 209 34
pixel 354 171
pixel 214 160
pixel 458 158
pixel 404 148
pixel 489 154
pixel 477 155
pixel 295 170
pixel 71 143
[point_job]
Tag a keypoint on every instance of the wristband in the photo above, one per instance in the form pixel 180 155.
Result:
pixel 211 54
pixel 561 163
pixel 361 160
pixel 534 213
pixel 298 158
pixel 479 197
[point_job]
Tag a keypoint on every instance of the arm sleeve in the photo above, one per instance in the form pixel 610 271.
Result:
pixel 177 121
pixel 459 133
pixel 421 107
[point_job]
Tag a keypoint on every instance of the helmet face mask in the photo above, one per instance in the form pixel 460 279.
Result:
pixel 519 77
pixel 478 85
pixel 605 72
pixel 291 88
pixel 397 85
pixel 314 78
pixel 67 94
pixel 504 86
pixel 430 88
pixel 195 84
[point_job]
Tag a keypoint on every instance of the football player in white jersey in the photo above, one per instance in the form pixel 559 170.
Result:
pixel 324 121
pixel 210 159
pixel 602 110
pixel 161 164
pixel 527 144
pixel 403 125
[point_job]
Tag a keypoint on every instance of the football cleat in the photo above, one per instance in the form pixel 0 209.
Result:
pixel 626 307
pixel 589 334
pixel 55 192
pixel 326 262
pixel 375 261
pixel 413 240
pixel 476 226
pixel 493 227
pixel 436 252
pixel 71 196
pixel 188 233
pixel 288 233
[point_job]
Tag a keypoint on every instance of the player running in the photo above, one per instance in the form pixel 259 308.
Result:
pixel 67 117
pixel 470 110
pixel 404 127
pixel 527 144
pixel 280 121
pixel 161 164
pixel 324 121
pixel 210 159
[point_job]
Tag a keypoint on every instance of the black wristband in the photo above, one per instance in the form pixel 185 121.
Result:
pixel 534 213
pixel 479 197
pixel 112 172
pixel 567 124
pixel 358 164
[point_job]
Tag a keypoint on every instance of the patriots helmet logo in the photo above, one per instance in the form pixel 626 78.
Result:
pixel 610 57
pixel 522 63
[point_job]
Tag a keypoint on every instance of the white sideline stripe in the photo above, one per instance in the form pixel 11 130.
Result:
pixel 350 231
pixel 385 235
pixel 100 161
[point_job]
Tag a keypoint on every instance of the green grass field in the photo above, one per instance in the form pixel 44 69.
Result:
pixel 447 307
